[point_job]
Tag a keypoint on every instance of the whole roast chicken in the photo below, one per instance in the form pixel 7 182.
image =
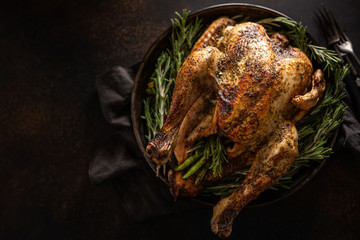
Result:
pixel 238 83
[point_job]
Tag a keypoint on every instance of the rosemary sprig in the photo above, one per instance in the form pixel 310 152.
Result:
pixel 183 37
pixel 278 22
pixel 160 85
pixel 162 81
pixel 324 55
pixel 218 156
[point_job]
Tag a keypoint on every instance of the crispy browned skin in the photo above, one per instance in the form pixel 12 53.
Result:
pixel 260 86
pixel 212 34
pixel 257 80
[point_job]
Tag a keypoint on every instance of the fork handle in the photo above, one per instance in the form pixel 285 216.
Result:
pixel 352 66
pixel 356 59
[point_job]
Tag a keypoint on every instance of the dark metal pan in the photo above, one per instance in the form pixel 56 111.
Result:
pixel 254 12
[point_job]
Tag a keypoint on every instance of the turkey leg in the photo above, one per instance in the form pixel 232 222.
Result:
pixel 270 164
pixel 193 81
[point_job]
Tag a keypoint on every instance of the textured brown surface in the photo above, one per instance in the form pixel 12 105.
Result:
pixel 51 124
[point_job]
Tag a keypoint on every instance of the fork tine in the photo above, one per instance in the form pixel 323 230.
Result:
pixel 335 24
pixel 323 24
pixel 331 24
pixel 328 27
pixel 339 30
pixel 336 35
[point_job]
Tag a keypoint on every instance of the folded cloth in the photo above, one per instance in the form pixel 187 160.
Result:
pixel 119 153
pixel 119 158
pixel 349 136
pixel 353 99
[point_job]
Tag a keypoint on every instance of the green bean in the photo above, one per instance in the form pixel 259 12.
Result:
pixel 188 161
pixel 195 167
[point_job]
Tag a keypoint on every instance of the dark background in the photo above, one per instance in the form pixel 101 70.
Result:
pixel 51 125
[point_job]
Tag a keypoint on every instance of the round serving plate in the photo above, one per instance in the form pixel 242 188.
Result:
pixel 208 15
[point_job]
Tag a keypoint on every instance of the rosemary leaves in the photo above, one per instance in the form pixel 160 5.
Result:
pixel 162 81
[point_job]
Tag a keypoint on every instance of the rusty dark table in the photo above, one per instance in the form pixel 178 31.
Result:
pixel 51 124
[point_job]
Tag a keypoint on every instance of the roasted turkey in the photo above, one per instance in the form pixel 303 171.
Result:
pixel 245 86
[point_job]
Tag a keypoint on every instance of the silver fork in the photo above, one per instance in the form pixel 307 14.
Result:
pixel 345 44
pixel 338 40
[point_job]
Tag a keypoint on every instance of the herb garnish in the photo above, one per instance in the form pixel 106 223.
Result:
pixel 209 154
pixel 162 81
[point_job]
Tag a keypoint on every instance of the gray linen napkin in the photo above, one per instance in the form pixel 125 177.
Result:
pixel 142 194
